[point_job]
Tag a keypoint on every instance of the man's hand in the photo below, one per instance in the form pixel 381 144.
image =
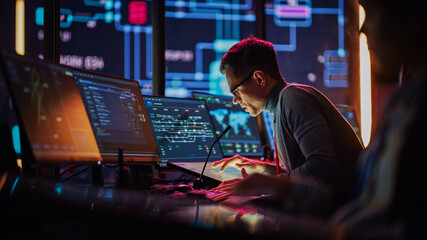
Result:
pixel 229 185
pixel 239 162
pixel 256 185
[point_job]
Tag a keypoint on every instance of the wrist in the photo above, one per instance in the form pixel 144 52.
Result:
pixel 270 169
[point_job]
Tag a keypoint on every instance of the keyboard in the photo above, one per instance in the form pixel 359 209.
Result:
pixel 213 195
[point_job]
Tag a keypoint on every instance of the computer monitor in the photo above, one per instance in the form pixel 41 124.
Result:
pixel 244 137
pixel 182 128
pixel 50 110
pixel 118 116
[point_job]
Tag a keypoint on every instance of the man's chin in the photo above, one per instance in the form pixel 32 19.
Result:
pixel 252 112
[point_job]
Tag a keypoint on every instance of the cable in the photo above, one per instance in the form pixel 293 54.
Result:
pixel 86 168
pixel 70 169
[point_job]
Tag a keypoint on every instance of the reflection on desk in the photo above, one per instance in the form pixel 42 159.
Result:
pixel 49 209
pixel 223 217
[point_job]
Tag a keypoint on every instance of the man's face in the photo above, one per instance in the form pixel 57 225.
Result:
pixel 247 94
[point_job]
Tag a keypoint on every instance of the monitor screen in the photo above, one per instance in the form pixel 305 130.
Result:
pixel 244 137
pixel 118 116
pixel 314 42
pixel 50 109
pixel 116 37
pixel 183 129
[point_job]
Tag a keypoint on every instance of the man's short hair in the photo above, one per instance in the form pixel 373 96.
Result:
pixel 249 55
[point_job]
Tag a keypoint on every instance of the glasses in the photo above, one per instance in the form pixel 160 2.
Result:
pixel 232 90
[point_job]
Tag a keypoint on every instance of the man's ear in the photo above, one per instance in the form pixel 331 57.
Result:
pixel 260 77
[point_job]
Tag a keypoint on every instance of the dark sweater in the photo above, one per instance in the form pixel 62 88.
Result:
pixel 312 137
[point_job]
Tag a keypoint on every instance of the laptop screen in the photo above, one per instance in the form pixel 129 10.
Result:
pixel 244 137
pixel 118 116
pixel 50 110
pixel 182 128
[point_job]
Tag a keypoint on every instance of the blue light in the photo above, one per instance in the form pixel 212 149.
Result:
pixel 40 16
pixel 59 187
pixel 341 52
pixel 108 5
pixel 109 17
pixel 16 139
pixel 14 186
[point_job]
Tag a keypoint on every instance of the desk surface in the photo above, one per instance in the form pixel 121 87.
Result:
pixel 214 174
pixel 51 208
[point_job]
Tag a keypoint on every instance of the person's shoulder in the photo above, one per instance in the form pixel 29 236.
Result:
pixel 294 91
pixel 295 97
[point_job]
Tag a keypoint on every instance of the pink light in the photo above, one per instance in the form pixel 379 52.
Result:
pixel 137 12
pixel 289 11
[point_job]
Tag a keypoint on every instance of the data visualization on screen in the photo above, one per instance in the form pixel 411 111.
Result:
pixel 50 110
pixel 312 39
pixel 244 136
pixel 116 37
pixel 182 128
pixel 118 116
pixel 313 42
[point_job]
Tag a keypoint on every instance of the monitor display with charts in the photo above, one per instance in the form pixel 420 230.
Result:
pixel 244 137
pixel 50 110
pixel 118 116
pixel 182 128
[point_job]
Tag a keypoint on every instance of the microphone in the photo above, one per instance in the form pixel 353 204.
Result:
pixel 198 184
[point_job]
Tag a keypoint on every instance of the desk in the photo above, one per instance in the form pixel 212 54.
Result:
pixel 44 208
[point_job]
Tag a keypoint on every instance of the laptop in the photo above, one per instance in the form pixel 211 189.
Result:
pixel 244 138
pixel 184 133
pixel 118 117
pixel 52 118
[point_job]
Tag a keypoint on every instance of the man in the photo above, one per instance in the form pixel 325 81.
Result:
pixel 312 138
pixel 390 197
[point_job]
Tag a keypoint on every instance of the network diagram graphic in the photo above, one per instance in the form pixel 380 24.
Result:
pixel 198 33
pixel 176 129
pixel 299 14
